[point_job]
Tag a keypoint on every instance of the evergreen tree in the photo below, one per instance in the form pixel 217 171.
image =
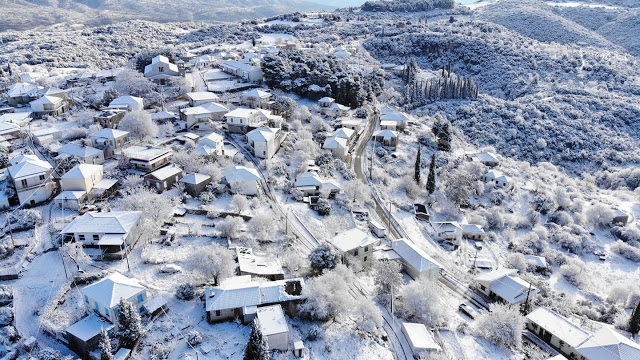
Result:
pixel 130 327
pixel 431 180
pixel 416 174
pixel 105 346
pixel 444 138
pixel 109 96
pixel 634 322
pixel 257 347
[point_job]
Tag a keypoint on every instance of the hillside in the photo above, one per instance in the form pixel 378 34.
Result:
pixel 27 14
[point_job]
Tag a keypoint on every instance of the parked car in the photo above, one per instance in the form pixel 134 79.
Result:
pixel 468 310
pixel 85 209
pixel 478 245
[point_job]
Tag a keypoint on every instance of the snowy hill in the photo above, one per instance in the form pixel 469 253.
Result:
pixel 27 14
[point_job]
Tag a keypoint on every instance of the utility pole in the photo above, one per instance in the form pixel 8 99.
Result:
pixel 526 303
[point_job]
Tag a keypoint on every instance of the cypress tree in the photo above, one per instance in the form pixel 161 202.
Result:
pixel 130 328
pixel 634 322
pixel 416 174
pixel 105 346
pixel 257 347
pixel 431 180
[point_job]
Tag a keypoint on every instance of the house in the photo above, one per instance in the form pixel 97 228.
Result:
pixel 160 70
pixel 145 159
pixel 187 56
pixel 326 102
pixel 353 124
pixel 242 180
pixel 22 118
pixel 195 183
pixel 104 296
pixel 256 98
pixel 243 120
pixel 240 297
pixel 497 178
pixel 448 230
pixel 472 232
pixel 335 110
pixel 345 133
pixel 377 228
pixel 109 232
pixel 201 61
pixel 539 263
pixel 46 134
pixel 485 157
pixel 241 70
pixel 338 147
pixel 273 327
pixel 201 97
pixel 22 158
pixel 420 339
pixel 356 243
pixel 394 115
pixel 504 285
pixel 84 336
pixel 77 183
pixel 129 103
pixel 9 131
pixel 557 331
pixel 210 145
pixel 258 266
pixel 620 217
pixel 86 154
pixel 388 125
pixel 109 141
pixel 607 343
pixel 110 118
pixel 164 116
pixel 200 116
pixel 163 178
pixel 387 138
pixel 415 262
pixel 49 105
pixel 310 184
pixel 21 93
pixel 33 181
pixel 265 141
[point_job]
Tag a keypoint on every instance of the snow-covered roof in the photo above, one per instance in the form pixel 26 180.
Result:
pixel 22 158
pixel 414 256
pixel 386 133
pixel 115 222
pixel 419 337
pixel 145 153
pixel 89 327
pixel 497 175
pixel 202 96
pixel 257 265
pixel 262 134
pixel 16 117
pixel 205 150
pixel 47 99
pixel 21 89
pixel 327 99
pixel 559 326
pixel 351 239
pixel 242 112
pixel 78 150
pixel 238 65
pixel 345 133
pixel 336 106
pixel 82 171
pixel 162 60
pixel 6 128
pixel 272 320
pixel 472 229
pixel 394 116
pixel 447 226
pixel 307 179
pixel 257 93
pixel 487 157
pixel 213 107
pixel 165 172
pixel 163 115
pixel 240 174
pixel 507 286
pixel 126 100
pixel 195 178
pixel 334 143
pixel 28 168
pixel 608 344
pixel 495 275
pixel 538 261
pixel 70 195
pixel 112 288
pixel 109 134
pixel 212 139
pixel 240 292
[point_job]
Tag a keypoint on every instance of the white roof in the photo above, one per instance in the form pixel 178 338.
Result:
pixel 202 96
pixel 213 107
pixel 115 222
pixel 336 106
pixel 70 195
pixel 327 99
pixel 205 150
pixel 394 116
pixel 351 239
pixel 257 265
pixel 345 133
pixel 272 320
pixel 144 153
pixel 6 127
pixel 386 133
pixel 257 93
pixel 29 167
pixel 163 60
pixel 163 115
pixel 472 229
pixel 111 289
pixel 559 326
pixel 211 139
pixel 21 88
pixel 242 112
pixel 89 327
pixel 240 174
pixel 110 133
pixel 538 261
pixel 126 100
pixel 419 337
pixel 82 171
pixel 608 344
pixel 165 172
pixel 16 117
pixel 308 179
pixel 240 291
pixel 447 226
pixel 414 256
pixel 195 178
pixel 507 286
pixel 264 134
pixel 239 65
pixel 47 99
pixel 22 158
pixel 485 157
pixel 496 175
pixel 334 143
pixel 77 150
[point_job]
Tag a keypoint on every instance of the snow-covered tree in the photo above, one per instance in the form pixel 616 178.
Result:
pixel 216 263
pixel 387 277
pixel 263 226
pixel 131 82
pixel 418 166
pixel 328 294
pixel 75 252
pixel 109 95
pixel 431 180
pixel 139 125
pixel 230 227
pixel 358 192
pixel 323 258
pixel 502 326
pixel 284 106
pixel 419 301
pixel 257 347
pixel 600 215
pixel 130 328
pixel 185 291
pixel 105 346
pixel 634 321
pixel 323 207
pixel 239 203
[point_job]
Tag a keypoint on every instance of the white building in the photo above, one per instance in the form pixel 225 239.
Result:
pixel 109 141
pixel 448 230
pixel 273 326
pixel 420 339
pixel 49 105
pixel 264 141
pixel 309 183
pixel 129 103
pixel 86 154
pixel 200 117
pixel 415 261
pixel 472 231
pixel 258 266
pixel 77 183
pixel 243 120
pixel 145 159
pixel 163 178
pixel 256 98
pixel 210 145
pixel 242 180
pixel 21 93
pixel 505 285
pixel 241 70
pixel 387 138
pixel 356 243
pixel 485 157
pixel 326 102
pixel 160 70
pixel 104 296
pixel 497 178
pixel 201 97
pixel 338 146
pixel 33 180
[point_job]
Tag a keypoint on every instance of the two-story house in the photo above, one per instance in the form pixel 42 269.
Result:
pixel 163 178
pixel 33 180
pixel 201 97
pixel 145 159
pixel 256 98
pixel 110 141
pixel 200 117
pixel 161 70
pixel 21 93
pixel 356 243
pixel 127 102
pixel 210 145
pixel 110 118
pixel 49 106
pixel 265 141
pixel 104 296
pixel 77 183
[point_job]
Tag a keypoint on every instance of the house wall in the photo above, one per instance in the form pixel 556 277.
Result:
pixel 162 185
pixel 565 349
pixel 195 189
pixel 81 184
pixel 278 341
pixel 36 195
pixel 339 153
pixel 224 315
pixel 109 313
pixel 363 253
pixel 71 204
pixel 155 70
pixel 26 183
pixel 473 236
pixel 245 187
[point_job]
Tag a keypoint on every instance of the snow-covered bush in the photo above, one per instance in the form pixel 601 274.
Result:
pixel 625 250
pixel 139 125
pixel 575 273
pixel 24 219
pixel 263 226
pixel 159 351
pixel 230 227
pixel 503 326
pixel 323 258
pixel 6 316
pixel 239 203
pixel 627 234
pixel 194 338
pixel 328 295
pixel 418 302
pixel 600 215
pixel 49 354
pixel 323 207
pixel 185 291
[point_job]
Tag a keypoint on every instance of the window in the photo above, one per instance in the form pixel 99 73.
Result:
pixel 41 177
pixel 106 311
pixel 81 237
pixel 140 298
pixel 97 306
pixel 96 237
pixel 86 299
pixel 355 253
pixel 217 312
pixel 366 248
pixel 24 182
pixel 365 259
pixel 161 68
pixel 116 311
pixel 482 287
pixel 141 309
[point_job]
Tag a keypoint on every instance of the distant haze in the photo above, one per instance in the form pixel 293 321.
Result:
pixel 340 3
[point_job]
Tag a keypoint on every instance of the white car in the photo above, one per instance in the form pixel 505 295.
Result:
pixel 171 269
pixel 468 310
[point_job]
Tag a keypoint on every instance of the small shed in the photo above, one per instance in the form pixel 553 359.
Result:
pixel 273 325
pixel 84 336
pixel 421 211
pixel 420 339
pixel 377 228
pixel 620 217
pixel 298 348
pixel 195 183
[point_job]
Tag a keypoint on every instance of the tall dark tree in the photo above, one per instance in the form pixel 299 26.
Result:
pixel 431 180
pixel 257 347
pixel 416 173
pixel 444 138
pixel 105 346
pixel 410 72
pixel 130 328
pixel 634 322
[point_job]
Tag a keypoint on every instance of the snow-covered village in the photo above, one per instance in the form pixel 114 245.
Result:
pixel 291 179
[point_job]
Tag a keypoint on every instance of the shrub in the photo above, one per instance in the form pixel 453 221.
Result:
pixel 194 338
pixel 185 292
pixel 323 258
pixel 625 250
pixel 323 207
pixel 502 326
